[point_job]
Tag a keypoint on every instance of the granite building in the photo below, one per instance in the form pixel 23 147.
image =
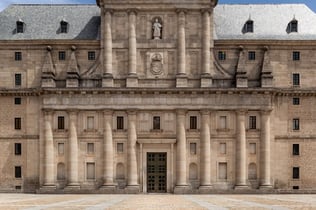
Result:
pixel 157 96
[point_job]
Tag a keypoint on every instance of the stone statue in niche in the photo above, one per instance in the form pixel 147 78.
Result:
pixel 156 64
pixel 157 29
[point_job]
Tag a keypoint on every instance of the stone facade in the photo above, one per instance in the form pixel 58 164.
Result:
pixel 84 115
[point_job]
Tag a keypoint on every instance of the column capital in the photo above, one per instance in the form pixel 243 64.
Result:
pixel 48 112
pixel 108 11
pixel 181 11
pixel 107 112
pixel 181 111
pixel 132 11
pixel 265 111
pixel 73 111
pixel 208 10
pixel 131 112
pixel 241 111
pixel 205 112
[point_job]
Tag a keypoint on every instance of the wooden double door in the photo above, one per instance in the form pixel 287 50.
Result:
pixel 156 172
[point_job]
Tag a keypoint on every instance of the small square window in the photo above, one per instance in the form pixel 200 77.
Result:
pixel 193 122
pixel 61 123
pixel 252 55
pixel 18 56
pixel 296 149
pixel 17 101
pixel 296 172
pixel 252 122
pixel 61 148
pixel 90 148
pixel 18 80
pixel 296 56
pixel 296 79
pixel 120 123
pixel 62 55
pixel 18 149
pixel 119 147
pixel 222 148
pixel 156 123
pixel 252 148
pixel 296 124
pixel 193 148
pixel 91 55
pixel 296 101
pixel 18 172
pixel 221 55
pixel 17 123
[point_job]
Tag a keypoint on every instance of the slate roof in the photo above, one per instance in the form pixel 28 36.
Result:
pixel 270 22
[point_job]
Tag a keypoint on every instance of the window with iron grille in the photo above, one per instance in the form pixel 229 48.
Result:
pixel 17 123
pixel 91 55
pixel 252 122
pixel 119 123
pixel 193 122
pixel 296 79
pixel 18 56
pixel 18 79
pixel 296 101
pixel 156 123
pixel 296 56
pixel 296 124
pixel 17 101
pixel 252 55
pixel 62 55
pixel 221 55
pixel 296 149
pixel 296 172
pixel 61 122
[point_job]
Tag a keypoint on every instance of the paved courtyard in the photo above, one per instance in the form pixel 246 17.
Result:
pixel 159 201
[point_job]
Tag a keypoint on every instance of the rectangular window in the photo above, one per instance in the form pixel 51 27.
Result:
pixel 296 172
pixel 296 101
pixel 222 148
pixel 18 172
pixel 296 79
pixel 18 149
pixel 119 147
pixel 252 122
pixel 18 56
pixel 17 123
pixel 221 55
pixel 91 55
pixel 17 101
pixel 252 55
pixel 90 122
pixel 252 148
pixel 18 79
pixel 61 122
pixel 296 56
pixel 61 148
pixel 296 187
pixel 193 122
pixel 91 171
pixel 222 170
pixel 296 124
pixel 120 123
pixel 222 121
pixel 193 148
pixel 90 148
pixel 296 149
pixel 62 55
pixel 156 123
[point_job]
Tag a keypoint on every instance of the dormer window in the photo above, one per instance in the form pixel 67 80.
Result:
pixel 293 26
pixel 248 28
pixel 19 26
pixel 63 27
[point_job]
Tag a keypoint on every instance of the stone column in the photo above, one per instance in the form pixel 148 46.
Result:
pixel 49 162
pixel 73 180
pixel 132 53
pixel 265 163
pixel 132 176
pixel 181 157
pixel 107 52
pixel 241 151
pixel 181 75
pixel 205 151
pixel 108 154
pixel 206 79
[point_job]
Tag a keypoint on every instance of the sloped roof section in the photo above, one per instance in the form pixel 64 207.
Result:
pixel 270 21
pixel 42 22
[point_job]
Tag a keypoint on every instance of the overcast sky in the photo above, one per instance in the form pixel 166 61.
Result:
pixel 5 3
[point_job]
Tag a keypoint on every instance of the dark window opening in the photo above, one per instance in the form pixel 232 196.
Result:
pixel 251 55
pixel 296 124
pixel 61 122
pixel 296 56
pixel 18 149
pixel 18 172
pixel 17 101
pixel 221 55
pixel 296 187
pixel 18 56
pixel 252 122
pixel 156 123
pixel 296 172
pixel 193 122
pixel 18 79
pixel 63 27
pixel 248 28
pixel 19 26
pixel 62 55
pixel 293 26
pixel 17 123
pixel 296 101
pixel 296 79
pixel 91 55
pixel 120 123
pixel 296 149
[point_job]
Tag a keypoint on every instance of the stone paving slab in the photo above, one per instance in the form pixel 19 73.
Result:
pixel 156 202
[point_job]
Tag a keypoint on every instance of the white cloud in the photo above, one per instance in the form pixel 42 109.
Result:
pixel 6 3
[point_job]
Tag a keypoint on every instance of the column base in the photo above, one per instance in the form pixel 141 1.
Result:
pixel 181 81
pixel 132 81
pixel 206 81
pixel 265 187
pixel 49 188
pixel 241 187
pixel 182 189
pixel 72 187
pixel 108 188
pixel 132 189
pixel 205 189
pixel 107 81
